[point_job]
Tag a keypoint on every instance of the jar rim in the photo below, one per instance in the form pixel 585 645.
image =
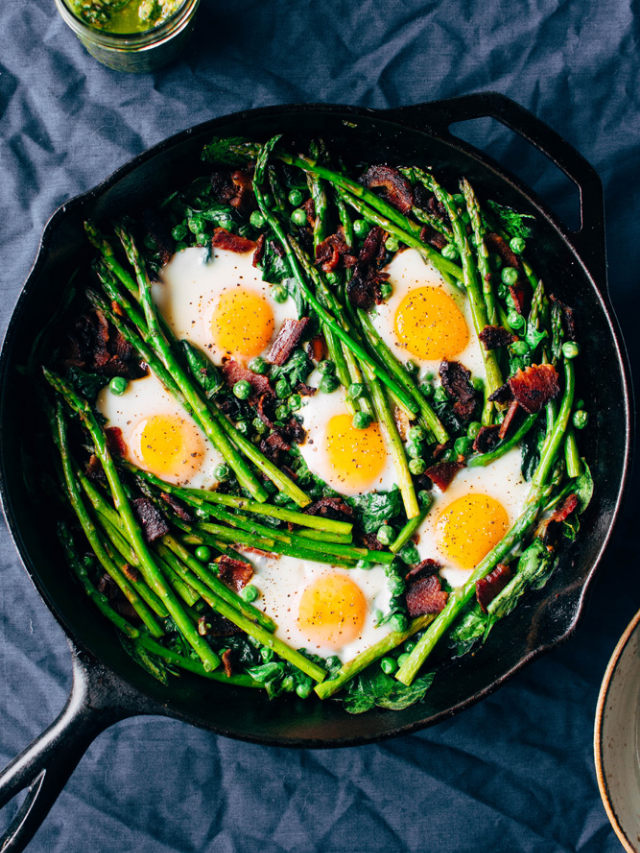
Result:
pixel 127 39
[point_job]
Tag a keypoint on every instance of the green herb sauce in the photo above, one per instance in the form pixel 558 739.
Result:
pixel 124 16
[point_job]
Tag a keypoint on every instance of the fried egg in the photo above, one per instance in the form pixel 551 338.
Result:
pixel 425 319
pixel 223 306
pixel 471 517
pixel 352 461
pixel 324 609
pixel 159 435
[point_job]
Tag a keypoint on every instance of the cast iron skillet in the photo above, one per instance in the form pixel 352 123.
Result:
pixel 108 686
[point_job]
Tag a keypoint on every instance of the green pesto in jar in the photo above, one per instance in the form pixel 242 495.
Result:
pixel 124 16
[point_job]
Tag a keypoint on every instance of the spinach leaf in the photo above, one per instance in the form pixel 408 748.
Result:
pixel 471 629
pixel 534 569
pixel 232 151
pixel 377 507
pixel 87 384
pixel 530 450
pixel 296 368
pixel 373 688
pixel 153 664
pixel 583 488
pixel 511 221
pixel 204 371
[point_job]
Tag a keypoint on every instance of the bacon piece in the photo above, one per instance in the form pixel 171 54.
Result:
pixel 272 446
pixel 94 470
pixel 503 394
pixel 512 411
pixel 499 245
pixel 305 390
pixel 568 316
pixel 244 200
pixel 309 208
pixel 331 250
pixel 433 237
pixel 214 625
pixel 371 541
pixel 397 189
pixel 494 337
pixel 443 473
pixel 259 250
pixel 153 524
pixel 535 386
pixel 364 288
pixel 177 507
pixel 223 239
pixel 519 293
pixel 456 380
pixel 263 407
pixel 423 570
pixel 234 372
pixel 225 657
pixel 439 449
pixel 294 431
pixel 569 505
pixel 115 442
pixel 425 596
pixel 317 348
pixel 236 574
pixel 487 588
pixel 549 529
pixel 288 339
pixel 334 508
pixel 373 250
pixel 486 439
pixel 158 230
pixel 97 346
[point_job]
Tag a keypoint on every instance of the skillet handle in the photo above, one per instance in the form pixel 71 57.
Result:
pixel 589 240
pixel 95 703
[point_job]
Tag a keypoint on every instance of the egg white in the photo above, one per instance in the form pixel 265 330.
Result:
pixel 316 412
pixel 147 397
pixel 501 480
pixel 408 271
pixel 190 287
pixel 283 580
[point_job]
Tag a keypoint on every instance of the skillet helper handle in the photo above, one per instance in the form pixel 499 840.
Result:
pixel 589 240
pixel 46 765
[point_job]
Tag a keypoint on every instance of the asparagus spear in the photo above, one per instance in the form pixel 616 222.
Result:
pixel 484 459
pixel 194 666
pixel 482 253
pixel 412 525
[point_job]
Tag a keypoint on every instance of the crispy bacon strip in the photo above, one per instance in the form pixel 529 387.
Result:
pixel 534 387
pixel 331 250
pixel 334 508
pixel 487 588
pixel 225 657
pixel 289 337
pixel 499 245
pixel 158 230
pixel 115 442
pixel 364 288
pixel 494 337
pixel 234 372
pixel 569 505
pixel 154 526
pixel 223 239
pixel 177 507
pixel 214 625
pixel 512 411
pixel 423 570
pixel 425 596
pixel 456 380
pixel 433 237
pixel 244 199
pixel 443 473
pixel 236 574
pixel 503 394
pixel 486 439
pixel 259 250
pixel 397 189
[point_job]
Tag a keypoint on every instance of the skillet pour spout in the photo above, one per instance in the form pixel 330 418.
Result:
pixel 108 684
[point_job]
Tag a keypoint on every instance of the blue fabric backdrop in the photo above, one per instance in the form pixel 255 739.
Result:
pixel 514 773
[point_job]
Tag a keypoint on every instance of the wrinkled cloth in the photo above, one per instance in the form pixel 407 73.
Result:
pixel 514 773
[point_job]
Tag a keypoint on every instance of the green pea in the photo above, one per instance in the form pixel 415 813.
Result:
pixel 242 389
pixel 428 376
pixel 179 232
pixel 283 389
pixel 327 367
pixel 355 390
pixel 427 390
pixel 282 412
pixel 397 586
pixel 268 200
pixel 473 429
pixel 259 426
pixel 288 684
pixel 299 217
pixel 570 349
pixel 462 446
pixel 398 622
pixel 517 245
pixel 333 278
pixel 416 433
pixel 415 449
pixel 478 384
pixel 304 689
pixel 391 244
pixel 181 246
pixel 361 420
pixel 196 224
pixel 440 395
pixel 249 593
pixel 257 219
pixel 515 320
pixel 409 554
pixel 409 647
pixel 388 665
pixel 203 552
pixel 279 293
pixel 449 251
pixel 386 290
pixel 266 653
pixel 377 616
pixel 118 385
pixel 402 659
pixel 411 367
pixel 580 419
pixel 520 347
pixel 202 239
pixel 295 402
pixel 365 565
pixel 243 427
pixel 258 365
pixel 361 228
pixel 580 404
pixel 222 472
pixel 417 467
pixel 510 275
pixel 495 261
pixel 295 198
pixel 328 383
pixel 385 534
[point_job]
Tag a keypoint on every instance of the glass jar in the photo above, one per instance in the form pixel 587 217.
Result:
pixel 136 52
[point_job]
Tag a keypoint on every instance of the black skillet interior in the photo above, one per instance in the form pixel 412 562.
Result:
pixel 545 619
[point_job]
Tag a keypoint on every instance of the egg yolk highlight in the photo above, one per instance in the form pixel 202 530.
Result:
pixel 469 528
pixel 242 323
pixel 168 447
pixel 357 456
pixel 332 611
pixel 429 324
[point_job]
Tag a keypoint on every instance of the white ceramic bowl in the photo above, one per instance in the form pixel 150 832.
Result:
pixel 617 738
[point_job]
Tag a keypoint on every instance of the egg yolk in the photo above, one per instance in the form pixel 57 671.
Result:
pixel 242 323
pixel 168 447
pixel 357 456
pixel 469 528
pixel 332 611
pixel 429 324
